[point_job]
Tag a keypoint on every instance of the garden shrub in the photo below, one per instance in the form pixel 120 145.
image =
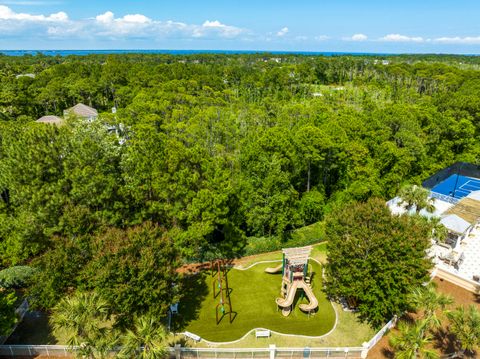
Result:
pixel 16 277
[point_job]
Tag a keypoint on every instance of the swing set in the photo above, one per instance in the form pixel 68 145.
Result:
pixel 220 288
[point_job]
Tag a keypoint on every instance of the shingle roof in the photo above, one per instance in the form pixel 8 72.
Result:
pixel 455 224
pixel 54 120
pixel 82 110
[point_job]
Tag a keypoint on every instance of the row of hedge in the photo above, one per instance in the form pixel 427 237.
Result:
pixel 305 236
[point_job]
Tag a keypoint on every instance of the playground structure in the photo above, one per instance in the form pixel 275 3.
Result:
pixel 220 288
pixel 295 276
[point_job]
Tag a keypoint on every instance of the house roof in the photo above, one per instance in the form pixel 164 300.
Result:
pixel 455 224
pixel 467 208
pixel 82 110
pixel 53 120
pixel 397 207
pixel 474 195
pixel 25 75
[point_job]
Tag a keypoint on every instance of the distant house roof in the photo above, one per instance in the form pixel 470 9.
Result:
pixel 455 224
pixel 53 120
pixel 467 208
pixel 82 110
pixel 25 75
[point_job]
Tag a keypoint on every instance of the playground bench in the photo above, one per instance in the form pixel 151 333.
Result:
pixel 262 333
pixel 192 336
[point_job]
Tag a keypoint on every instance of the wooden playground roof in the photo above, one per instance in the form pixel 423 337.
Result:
pixel 297 255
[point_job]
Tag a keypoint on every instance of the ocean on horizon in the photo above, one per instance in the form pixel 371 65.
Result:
pixel 177 52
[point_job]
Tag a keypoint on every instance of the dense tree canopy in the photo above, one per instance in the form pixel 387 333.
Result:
pixel 7 311
pixel 376 259
pixel 209 150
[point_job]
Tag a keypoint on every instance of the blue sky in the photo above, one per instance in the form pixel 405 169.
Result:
pixel 340 25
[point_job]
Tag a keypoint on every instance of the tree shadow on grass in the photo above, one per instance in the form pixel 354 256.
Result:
pixel 227 316
pixel 34 330
pixel 194 293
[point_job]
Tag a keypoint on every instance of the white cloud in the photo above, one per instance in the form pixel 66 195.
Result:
pixel 138 25
pixel 107 25
pixel 467 40
pixel 7 14
pixel 134 24
pixel 301 38
pixel 105 18
pixel 212 27
pixel 401 38
pixel 322 37
pixel 356 37
pixel 136 18
pixel 30 3
pixel 283 32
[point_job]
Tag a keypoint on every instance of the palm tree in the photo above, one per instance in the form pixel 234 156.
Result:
pixel 147 339
pixel 411 342
pixel 428 300
pixel 465 325
pixel 415 196
pixel 83 319
pixel 414 338
pixel 439 231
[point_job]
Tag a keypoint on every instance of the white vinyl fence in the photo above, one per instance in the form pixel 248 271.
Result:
pixel 189 353
pixel 376 338
pixel 270 353
pixel 178 352
pixel 34 350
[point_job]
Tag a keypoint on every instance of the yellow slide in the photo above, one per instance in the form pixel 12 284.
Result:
pixel 273 270
pixel 288 301
pixel 311 298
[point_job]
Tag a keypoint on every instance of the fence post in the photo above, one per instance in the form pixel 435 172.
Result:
pixel 366 348
pixel 178 351
pixel 272 348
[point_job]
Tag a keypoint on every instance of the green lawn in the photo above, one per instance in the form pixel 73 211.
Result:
pixel 349 332
pixel 319 252
pixel 253 294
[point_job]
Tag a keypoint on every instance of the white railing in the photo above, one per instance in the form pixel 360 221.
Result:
pixel 178 352
pixel 376 338
pixel 34 350
pixel 443 197
pixel 271 352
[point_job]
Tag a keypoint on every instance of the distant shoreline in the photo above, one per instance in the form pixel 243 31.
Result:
pixel 206 52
